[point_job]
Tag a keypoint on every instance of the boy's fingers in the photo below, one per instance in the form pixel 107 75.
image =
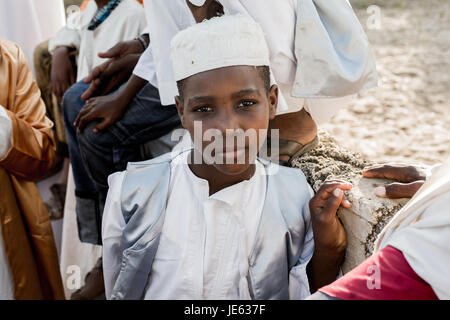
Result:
pixel 327 188
pixel 333 203
pixel 398 190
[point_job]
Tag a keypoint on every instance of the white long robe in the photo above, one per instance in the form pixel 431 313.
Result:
pixel 421 230
pixel 30 22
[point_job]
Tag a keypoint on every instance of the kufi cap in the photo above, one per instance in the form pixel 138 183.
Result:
pixel 229 40
pixel 197 3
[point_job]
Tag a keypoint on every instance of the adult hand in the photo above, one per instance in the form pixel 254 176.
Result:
pixel 208 10
pixel 410 178
pixel 62 75
pixel 109 108
pixel 108 76
pixel 329 234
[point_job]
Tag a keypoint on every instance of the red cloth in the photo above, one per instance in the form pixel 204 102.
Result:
pixel 384 276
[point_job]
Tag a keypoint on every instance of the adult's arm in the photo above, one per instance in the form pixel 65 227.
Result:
pixel 32 151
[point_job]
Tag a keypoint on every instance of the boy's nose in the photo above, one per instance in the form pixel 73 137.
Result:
pixel 228 121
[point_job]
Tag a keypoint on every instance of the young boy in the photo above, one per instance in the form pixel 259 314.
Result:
pixel 183 227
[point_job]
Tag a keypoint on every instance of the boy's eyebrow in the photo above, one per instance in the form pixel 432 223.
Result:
pixel 245 92
pixel 200 99
pixel 197 99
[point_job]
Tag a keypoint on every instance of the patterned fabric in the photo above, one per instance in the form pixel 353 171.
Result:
pixel 102 14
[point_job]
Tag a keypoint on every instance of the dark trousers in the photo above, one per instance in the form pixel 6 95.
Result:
pixel 94 156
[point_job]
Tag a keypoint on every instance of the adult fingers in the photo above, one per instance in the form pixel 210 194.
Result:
pixel 95 84
pixel 103 125
pixel 86 109
pixel 399 190
pixel 95 73
pixel 113 52
pixel 399 172
pixel 113 84
pixel 85 120
pixel 382 172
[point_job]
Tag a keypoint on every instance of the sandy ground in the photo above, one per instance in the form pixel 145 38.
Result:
pixel 407 118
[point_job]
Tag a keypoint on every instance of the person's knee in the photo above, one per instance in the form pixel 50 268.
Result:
pixel 72 102
pixel 96 151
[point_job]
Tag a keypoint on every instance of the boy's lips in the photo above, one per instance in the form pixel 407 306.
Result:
pixel 232 154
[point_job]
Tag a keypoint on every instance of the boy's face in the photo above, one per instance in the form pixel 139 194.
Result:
pixel 231 100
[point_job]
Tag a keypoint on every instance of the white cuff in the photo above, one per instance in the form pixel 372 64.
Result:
pixel 65 37
pixel 298 282
pixel 431 169
pixel 5 132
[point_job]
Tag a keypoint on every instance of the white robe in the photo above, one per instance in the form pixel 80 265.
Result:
pixel 421 230
pixel 126 22
pixel 278 19
pixel 30 22
pixel 205 241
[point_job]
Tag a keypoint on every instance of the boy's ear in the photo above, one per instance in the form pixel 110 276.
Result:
pixel 273 101
pixel 180 109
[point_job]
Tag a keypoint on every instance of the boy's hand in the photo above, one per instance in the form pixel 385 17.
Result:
pixel 62 75
pixel 329 234
pixel 330 239
pixel 410 178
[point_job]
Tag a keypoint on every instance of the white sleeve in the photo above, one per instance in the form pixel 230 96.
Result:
pixel 112 227
pixel 322 110
pixel 431 169
pixel 66 37
pixel 165 19
pixel 5 132
pixel 298 278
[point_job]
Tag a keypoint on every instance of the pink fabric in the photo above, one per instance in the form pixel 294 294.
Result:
pixel 384 276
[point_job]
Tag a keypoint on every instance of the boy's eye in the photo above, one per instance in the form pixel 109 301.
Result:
pixel 203 109
pixel 246 103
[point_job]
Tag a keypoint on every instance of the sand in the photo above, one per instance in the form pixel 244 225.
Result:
pixel 407 118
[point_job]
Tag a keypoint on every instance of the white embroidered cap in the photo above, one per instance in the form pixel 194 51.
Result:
pixel 197 3
pixel 230 40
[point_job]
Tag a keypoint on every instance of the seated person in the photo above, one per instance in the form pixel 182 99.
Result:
pixel 28 259
pixel 181 226
pixel 102 24
pixel 412 255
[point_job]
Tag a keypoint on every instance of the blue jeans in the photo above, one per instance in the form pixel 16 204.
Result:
pixel 94 156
